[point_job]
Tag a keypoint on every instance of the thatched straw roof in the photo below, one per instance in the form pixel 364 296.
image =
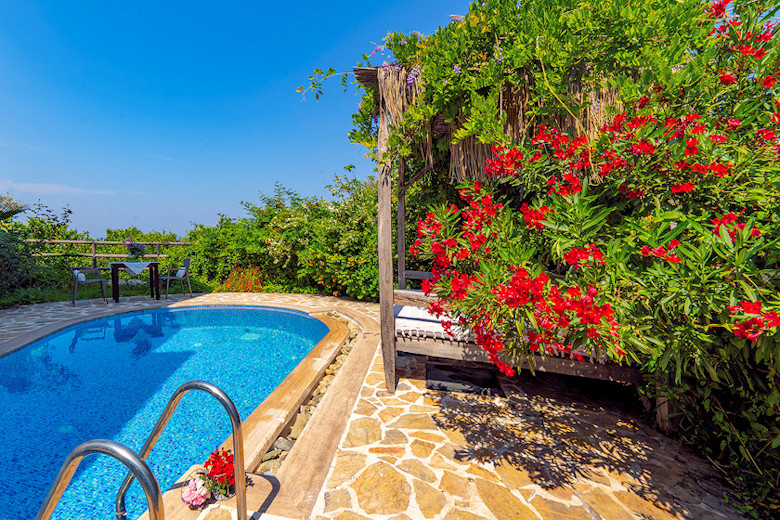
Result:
pixel 468 156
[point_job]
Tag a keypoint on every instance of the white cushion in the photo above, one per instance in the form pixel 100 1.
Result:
pixel 180 273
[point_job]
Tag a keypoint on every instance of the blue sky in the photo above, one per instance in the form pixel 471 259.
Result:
pixel 164 114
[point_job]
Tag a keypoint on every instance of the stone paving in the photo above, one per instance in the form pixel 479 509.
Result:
pixel 28 318
pixel 553 448
pixel 549 450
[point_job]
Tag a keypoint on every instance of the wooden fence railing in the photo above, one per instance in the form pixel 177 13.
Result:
pixel 94 245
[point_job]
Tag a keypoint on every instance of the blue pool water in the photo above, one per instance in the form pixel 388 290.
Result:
pixel 111 378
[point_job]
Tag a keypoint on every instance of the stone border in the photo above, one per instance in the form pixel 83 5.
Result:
pixel 273 459
pixel 266 423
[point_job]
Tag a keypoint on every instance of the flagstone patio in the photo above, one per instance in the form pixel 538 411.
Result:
pixel 551 448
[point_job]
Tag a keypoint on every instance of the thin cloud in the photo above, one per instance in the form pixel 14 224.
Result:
pixel 41 188
pixel 27 147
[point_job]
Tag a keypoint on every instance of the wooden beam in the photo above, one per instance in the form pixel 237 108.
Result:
pixel 415 298
pixel 418 275
pixel 385 246
pixel 403 187
pixel 401 227
pixel 442 348
pixel 554 365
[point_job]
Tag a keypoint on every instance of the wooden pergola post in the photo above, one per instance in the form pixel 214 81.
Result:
pixel 400 226
pixel 385 247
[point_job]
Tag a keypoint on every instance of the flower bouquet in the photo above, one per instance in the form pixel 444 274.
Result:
pixel 135 251
pixel 220 474
pixel 217 480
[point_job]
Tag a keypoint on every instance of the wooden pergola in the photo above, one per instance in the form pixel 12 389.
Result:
pixel 467 160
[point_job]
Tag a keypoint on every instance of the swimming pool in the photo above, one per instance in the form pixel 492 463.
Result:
pixel 110 378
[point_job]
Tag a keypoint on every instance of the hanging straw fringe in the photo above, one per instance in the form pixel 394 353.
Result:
pixel 469 157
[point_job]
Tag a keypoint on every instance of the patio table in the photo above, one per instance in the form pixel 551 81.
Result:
pixel 135 268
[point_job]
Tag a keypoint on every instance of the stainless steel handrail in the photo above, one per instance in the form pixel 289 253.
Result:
pixel 113 449
pixel 238 443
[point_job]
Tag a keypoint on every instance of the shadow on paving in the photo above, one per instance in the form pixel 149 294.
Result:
pixel 560 431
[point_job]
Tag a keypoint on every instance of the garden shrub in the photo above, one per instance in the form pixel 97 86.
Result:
pixel 341 257
pixel 296 244
pixel 14 262
pixel 654 243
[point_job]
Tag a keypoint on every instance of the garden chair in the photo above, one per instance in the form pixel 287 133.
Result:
pixel 178 273
pixel 84 275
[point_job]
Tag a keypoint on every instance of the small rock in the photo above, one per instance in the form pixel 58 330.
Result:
pixel 297 427
pixel 283 444
pixel 271 455
pixel 273 466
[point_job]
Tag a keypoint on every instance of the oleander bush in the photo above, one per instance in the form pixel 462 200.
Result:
pixel 654 241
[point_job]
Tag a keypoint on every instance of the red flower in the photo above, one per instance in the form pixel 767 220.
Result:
pixel 718 9
pixel 734 123
pixel 588 255
pixel 727 78
pixel 534 218
pixel 772 319
pixel 768 82
pixel 684 187
pixel 642 148
pixel 691 146
pixel 720 170
pixel 662 252
pixel 504 162
pixel 768 135
pixel 717 139
pixel 629 193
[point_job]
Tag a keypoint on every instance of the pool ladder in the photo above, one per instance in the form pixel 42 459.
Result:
pixel 137 465
pixel 123 454
pixel 238 443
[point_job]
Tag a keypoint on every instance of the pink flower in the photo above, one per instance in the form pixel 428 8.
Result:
pixel 196 492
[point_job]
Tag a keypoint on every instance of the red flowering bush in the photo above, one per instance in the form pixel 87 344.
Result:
pixel 655 243
pixel 248 279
